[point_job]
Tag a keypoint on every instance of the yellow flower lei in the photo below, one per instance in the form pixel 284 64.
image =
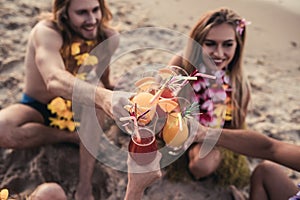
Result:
pixel 63 108
pixel 84 58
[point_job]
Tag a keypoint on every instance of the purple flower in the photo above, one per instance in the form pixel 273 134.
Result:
pixel 297 196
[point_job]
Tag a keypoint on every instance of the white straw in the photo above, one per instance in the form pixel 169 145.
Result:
pixel 192 78
pixel 205 75
pixel 136 130
pixel 180 121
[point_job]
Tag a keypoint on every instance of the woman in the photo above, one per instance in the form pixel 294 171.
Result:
pixel 221 33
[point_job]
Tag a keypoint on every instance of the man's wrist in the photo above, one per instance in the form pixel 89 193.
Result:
pixel 134 192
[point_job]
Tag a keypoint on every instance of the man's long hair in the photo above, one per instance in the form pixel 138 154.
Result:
pixel 60 19
pixel 239 82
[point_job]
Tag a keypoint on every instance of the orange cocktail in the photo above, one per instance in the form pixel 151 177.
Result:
pixel 175 131
pixel 144 109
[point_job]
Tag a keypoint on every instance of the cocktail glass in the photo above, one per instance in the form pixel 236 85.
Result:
pixel 142 146
pixel 176 132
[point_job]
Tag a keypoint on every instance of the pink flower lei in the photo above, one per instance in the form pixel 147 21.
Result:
pixel 207 96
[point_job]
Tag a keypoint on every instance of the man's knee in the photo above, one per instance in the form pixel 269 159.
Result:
pixel 5 140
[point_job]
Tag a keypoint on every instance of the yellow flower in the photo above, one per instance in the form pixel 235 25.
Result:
pixel 71 125
pixel 64 124
pixel 63 110
pixel 228 116
pixel 90 43
pixel 81 58
pixel 4 194
pixel 66 114
pixel 69 104
pixel 220 111
pixel 86 59
pixel 61 107
pixel 91 60
pixel 75 48
pixel 81 76
pixel 60 123
pixel 57 105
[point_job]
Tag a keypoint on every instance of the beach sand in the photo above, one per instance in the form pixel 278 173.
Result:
pixel 272 64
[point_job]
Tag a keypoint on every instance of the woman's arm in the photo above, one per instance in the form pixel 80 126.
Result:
pixel 176 60
pixel 258 145
pixel 254 144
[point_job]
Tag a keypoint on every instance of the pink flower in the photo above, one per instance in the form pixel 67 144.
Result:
pixel 241 24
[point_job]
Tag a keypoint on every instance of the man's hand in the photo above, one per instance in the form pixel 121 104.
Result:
pixel 141 176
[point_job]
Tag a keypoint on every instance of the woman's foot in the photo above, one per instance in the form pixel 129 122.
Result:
pixel 236 194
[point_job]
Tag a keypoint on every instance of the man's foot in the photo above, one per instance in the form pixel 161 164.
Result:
pixel 83 193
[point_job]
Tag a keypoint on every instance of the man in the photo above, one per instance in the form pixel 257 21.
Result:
pixel 53 57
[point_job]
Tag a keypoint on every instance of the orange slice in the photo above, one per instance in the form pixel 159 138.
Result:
pixel 142 100
pixel 165 73
pixel 167 105
pixel 146 83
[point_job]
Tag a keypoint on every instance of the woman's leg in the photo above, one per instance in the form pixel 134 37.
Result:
pixel 202 167
pixel 269 181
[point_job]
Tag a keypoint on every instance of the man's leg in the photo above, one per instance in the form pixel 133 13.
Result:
pixel 22 127
pixel 89 135
pixel 86 168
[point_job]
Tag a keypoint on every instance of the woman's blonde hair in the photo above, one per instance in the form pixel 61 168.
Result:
pixel 241 89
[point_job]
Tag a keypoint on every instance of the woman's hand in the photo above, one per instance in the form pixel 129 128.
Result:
pixel 201 133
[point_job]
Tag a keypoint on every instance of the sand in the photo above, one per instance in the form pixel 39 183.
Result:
pixel 271 63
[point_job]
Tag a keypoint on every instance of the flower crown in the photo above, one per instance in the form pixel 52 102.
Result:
pixel 241 24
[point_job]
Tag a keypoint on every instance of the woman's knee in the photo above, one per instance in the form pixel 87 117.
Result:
pixel 202 167
pixel 264 169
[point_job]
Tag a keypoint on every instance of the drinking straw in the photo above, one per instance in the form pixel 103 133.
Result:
pixel 205 75
pixel 157 94
pixel 180 121
pixel 136 129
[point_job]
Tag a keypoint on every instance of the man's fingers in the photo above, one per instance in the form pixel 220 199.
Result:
pixel 133 167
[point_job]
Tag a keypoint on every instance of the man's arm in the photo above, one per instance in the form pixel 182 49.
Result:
pixel 47 43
